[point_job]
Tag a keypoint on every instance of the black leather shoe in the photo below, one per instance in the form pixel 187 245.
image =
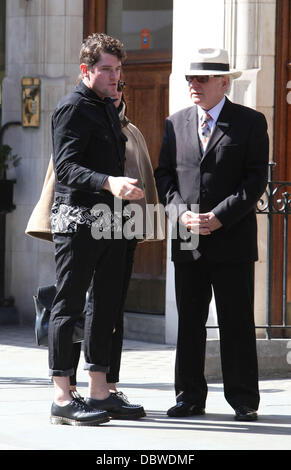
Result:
pixel 77 413
pixel 244 413
pixel 117 406
pixel 183 408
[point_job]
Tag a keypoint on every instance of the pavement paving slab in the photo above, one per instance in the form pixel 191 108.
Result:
pixel 147 374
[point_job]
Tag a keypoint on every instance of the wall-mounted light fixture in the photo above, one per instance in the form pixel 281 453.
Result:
pixel 30 101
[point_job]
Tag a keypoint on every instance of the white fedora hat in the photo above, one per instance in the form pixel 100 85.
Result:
pixel 211 62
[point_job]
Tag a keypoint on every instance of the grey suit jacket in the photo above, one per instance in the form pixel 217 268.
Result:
pixel 228 179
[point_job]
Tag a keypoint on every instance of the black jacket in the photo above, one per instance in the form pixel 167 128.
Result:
pixel 88 146
pixel 228 179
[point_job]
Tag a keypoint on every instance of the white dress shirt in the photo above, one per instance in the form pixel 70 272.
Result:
pixel 214 113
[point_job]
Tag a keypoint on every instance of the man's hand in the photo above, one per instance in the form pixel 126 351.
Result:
pixel 202 224
pixel 123 187
pixel 213 222
pixel 194 222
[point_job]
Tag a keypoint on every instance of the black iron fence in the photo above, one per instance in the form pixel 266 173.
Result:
pixel 276 202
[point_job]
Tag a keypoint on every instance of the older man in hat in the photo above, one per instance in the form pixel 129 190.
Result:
pixel 214 156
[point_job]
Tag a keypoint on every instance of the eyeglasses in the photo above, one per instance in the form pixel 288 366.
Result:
pixel 120 85
pixel 200 78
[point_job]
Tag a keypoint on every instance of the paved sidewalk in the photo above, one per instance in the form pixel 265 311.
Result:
pixel 146 378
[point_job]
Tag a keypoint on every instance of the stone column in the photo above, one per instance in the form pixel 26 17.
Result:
pixel 246 28
pixel 43 40
pixel 189 25
pixel 250 36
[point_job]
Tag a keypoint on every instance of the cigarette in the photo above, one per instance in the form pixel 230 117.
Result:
pixel 127 192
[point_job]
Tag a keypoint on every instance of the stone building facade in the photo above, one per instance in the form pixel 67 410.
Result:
pixel 43 40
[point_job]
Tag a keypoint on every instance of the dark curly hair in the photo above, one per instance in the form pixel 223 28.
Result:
pixel 96 43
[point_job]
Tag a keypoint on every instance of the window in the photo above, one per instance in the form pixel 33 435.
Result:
pixel 144 25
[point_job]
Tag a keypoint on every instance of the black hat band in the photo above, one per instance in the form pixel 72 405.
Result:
pixel 210 66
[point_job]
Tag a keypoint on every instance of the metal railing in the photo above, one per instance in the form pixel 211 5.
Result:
pixel 276 201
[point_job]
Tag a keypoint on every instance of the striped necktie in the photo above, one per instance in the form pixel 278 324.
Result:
pixel 204 129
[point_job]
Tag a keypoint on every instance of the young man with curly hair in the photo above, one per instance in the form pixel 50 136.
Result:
pixel 88 157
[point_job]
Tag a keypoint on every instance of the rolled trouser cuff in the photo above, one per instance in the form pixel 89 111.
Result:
pixel 96 367
pixel 112 379
pixel 61 373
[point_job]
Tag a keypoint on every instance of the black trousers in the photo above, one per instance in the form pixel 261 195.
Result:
pixel 112 375
pixel 233 287
pixel 80 260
